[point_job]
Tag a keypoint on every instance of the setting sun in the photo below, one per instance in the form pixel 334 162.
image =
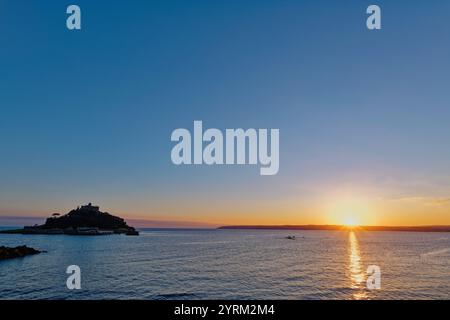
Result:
pixel 350 221
pixel 351 211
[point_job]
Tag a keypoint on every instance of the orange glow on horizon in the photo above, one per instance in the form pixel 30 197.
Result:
pixel 349 210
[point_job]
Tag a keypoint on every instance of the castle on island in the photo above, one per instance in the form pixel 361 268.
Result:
pixel 84 220
pixel 89 207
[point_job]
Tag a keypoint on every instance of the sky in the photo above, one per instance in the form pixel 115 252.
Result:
pixel 86 116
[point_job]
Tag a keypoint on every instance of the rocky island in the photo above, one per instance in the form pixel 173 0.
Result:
pixel 85 220
pixel 17 252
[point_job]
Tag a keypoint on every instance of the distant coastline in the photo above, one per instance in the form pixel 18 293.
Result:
pixel 340 227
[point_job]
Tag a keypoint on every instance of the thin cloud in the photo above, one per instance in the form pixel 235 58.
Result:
pixel 428 201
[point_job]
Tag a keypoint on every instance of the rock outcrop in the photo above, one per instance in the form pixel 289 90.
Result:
pixel 17 252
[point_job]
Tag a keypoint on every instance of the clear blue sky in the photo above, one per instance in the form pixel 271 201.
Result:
pixel 87 115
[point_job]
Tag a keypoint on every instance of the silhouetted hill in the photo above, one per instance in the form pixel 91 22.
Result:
pixel 80 218
pixel 85 220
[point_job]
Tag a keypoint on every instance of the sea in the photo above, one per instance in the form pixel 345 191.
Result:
pixel 163 264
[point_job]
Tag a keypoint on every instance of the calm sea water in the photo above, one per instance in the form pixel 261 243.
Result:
pixel 231 264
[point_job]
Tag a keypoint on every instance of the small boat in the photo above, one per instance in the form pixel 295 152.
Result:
pixel 290 237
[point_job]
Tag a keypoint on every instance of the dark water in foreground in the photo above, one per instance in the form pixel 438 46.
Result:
pixel 231 264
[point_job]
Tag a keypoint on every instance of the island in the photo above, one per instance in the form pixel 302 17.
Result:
pixel 86 220
pixel 17 252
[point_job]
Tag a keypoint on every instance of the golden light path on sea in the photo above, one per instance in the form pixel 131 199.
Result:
pixel 356 272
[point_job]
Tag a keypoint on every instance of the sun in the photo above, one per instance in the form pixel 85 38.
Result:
pixel 350 211
pixel 350 221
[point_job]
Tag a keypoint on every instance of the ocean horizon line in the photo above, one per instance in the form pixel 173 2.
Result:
pixel 21 221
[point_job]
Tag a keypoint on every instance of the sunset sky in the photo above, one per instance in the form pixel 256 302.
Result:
pixel 363 115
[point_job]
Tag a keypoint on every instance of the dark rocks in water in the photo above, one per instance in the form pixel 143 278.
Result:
pixel 132 233
pixel 85 220
pixel 17 252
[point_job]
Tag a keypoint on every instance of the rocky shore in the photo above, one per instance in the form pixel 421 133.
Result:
pixel 17 252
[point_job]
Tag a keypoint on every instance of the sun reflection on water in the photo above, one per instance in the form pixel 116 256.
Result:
pixel 356 272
